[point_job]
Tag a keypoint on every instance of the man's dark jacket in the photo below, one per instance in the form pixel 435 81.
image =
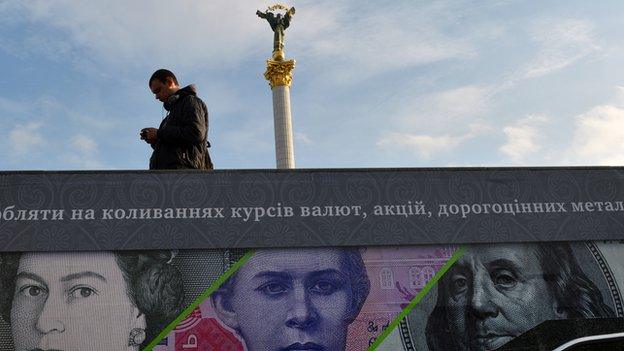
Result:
pixel 182 136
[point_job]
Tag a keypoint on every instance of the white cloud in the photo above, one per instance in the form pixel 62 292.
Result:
pixel 345 47
pixel 562 42
pixel 83 153
pixel 524 138
pixel 439 112
pixel 302 138
pixel 25 139
pixel 599 137
pixel 426 146
pixel 221 33
pixel 50 139
pixel 83 144
pixel 619 94
pixel 423 145
pixel 11 108
pixel 595 137
pixel 462 102
pixel 438 122
pixel 126 34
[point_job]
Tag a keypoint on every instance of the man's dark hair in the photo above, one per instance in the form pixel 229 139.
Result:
pixel 576 294
pixel 162 75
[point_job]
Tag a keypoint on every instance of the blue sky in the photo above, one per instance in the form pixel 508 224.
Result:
pixel 377 84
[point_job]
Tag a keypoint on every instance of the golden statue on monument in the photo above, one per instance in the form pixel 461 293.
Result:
pixel 278 22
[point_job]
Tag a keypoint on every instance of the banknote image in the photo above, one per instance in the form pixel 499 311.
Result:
pixel 97 300
pixel 316 299
pixel 495 293
pixel 294 299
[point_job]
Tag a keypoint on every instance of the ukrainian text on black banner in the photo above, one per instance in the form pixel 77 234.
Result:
pixel 49 211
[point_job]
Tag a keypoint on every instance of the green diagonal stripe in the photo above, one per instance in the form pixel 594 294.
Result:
pixel 430 284
pixel 214 286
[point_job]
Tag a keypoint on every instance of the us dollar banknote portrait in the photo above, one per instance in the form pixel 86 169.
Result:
pixel 108 300
pixel 495 293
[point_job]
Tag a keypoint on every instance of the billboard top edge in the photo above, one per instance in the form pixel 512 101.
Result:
pixel 330 170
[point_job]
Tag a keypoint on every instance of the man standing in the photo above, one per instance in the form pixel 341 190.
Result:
pixel 181 140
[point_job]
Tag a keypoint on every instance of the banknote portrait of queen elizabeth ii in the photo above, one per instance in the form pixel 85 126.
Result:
pixel 88 300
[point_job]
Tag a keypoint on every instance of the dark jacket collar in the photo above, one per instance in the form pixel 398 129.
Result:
pixel 181 93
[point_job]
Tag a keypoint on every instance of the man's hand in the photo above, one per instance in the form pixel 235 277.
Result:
pixel 149 135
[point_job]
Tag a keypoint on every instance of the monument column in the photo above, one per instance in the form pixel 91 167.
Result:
pixel 279 74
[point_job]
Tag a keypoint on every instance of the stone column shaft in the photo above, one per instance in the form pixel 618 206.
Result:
pixel 284 147
pixel 279 75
